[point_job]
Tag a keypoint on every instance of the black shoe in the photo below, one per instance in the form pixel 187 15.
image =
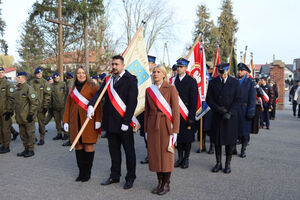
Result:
pixel 29 154
pixel 46 131
pixel 110 181
pixel 15 135
pixel 22 153
pixel 268 128
pixel 217 168
pixel 57 137
pixel 41 142
pixel 211 150
pixel 128 184
pixel 227 169
pixel 145 161
pixel 65 137
pixel 68 143
pixel 185 164
pixel 4 150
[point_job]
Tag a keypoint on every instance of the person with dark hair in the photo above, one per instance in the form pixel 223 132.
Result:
pixel 223 97
pixel 267 98
pixel 118 120
pixel 75 115
pixel 273 85
pixel 297 98
pixel 43 91
pixel 291 97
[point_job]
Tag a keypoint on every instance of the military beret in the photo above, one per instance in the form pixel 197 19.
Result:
pixel 2 69
pixel 242 66
pixel 69 75
pixel 102 76
pixel 38 70
pixel 94 77
pixel 49 78
pixel 151 58
pixel 223 66
pixel 55 74
pixel 174 67
pixel 182 62
pixel 22 74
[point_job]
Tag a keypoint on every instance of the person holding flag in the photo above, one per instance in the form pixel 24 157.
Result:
pixel 161 127
pixel 267 98
pixel 247 106
pixel 188 98
pixel 118 119
pixel 74 116
pixel 223 97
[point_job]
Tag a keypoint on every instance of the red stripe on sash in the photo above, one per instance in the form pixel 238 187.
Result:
pixel 80 103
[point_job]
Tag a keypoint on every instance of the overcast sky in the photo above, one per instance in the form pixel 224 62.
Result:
pixel 267 26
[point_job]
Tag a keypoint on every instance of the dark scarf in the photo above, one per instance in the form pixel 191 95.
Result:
pixel 79 85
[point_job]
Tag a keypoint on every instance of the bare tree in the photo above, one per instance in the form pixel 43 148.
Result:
pixel 158 18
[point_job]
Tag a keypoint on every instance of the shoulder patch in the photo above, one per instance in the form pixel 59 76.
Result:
pixel 32 96
pixel 11 89
pixel 48 89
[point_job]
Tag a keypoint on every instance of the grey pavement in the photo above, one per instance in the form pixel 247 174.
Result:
pixel 271 170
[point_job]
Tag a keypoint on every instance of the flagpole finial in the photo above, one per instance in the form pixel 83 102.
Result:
pixel 143 22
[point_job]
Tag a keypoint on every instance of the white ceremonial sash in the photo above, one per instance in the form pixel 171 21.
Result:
pixel 79 99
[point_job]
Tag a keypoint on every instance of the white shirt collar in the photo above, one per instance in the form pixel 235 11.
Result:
pixel 224 79
pixel 122 74
pixel 181 77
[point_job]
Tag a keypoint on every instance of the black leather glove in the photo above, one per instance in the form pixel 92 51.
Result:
pixel 29 118
pixel 227 116
pixel 45 110
pixel 8 115
pixel 222 110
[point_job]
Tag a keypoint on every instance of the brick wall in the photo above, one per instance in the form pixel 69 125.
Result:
pixel 277 74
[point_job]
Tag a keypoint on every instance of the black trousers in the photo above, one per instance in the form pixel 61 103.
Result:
pixel 115 140
pixel 295 108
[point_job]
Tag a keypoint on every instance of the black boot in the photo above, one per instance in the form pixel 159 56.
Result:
pixel 160 180
pixel 234 151
pixel 87 167
pixel 227 168
pixel 79 159
pixel 165 187
pixel 243 150
pixel 180 155
pixel 4 150
pixel 68 143
pixel 218 166
pixel 211 147
pixel 187 150
pixel 58 137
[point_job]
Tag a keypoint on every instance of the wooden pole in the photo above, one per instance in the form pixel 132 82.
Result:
pixel 201 133
pixel 88 119
pixel 192 49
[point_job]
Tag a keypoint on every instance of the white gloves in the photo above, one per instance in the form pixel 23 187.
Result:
pixel 174 138
pixel 97 125
pixel 66 127
pixel 146 136
pixel 124 127
pixel 90 112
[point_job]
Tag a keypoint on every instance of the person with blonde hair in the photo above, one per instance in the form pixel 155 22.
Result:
pixel 161 127
pixel 75 115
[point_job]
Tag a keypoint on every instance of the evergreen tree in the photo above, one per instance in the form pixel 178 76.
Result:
pixel 233 65
pixel 210 32
pixel 3 44
pixel 31 45
pixel 227 28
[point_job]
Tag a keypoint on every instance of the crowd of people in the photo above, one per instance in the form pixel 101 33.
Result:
pixel 238 106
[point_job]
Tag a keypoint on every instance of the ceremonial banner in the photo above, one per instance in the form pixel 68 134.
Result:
pixel 136 62
pixel 217 61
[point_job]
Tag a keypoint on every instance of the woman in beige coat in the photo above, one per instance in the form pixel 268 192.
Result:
pixel 159 128
pixel 75 116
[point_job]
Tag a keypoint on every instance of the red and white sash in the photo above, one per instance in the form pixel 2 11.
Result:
pixel 118 103
pixel 172 80
pixel 265 96
pixel 79 99
pixel 184 112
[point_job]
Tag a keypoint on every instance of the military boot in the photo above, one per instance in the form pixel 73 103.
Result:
pixel 41 142
pixel 58 137
pixel 227 168
pixel 4 150
pixel 22 153
pixel 243 150
pixel 218 165
pixel 29 154
pixel 65 137
pixel 185 162
pixel 68 143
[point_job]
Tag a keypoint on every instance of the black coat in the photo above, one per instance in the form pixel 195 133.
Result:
pixel 188 91
pixel 224 132
pixel 247 106
pixel 127 89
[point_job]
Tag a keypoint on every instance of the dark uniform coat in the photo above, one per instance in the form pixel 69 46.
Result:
pixel 72 110
pixel 247 106
pixel 158 127
pixel 224 132
pixel 188 91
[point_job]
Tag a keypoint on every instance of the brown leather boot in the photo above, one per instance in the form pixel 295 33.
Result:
pixel 165 188
pixel 160 180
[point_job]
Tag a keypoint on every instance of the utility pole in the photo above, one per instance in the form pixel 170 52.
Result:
pixel 60 35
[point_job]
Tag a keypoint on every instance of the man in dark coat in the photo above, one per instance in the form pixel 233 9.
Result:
pixel 267 99
pixel 119 131
pixel 223 97
pixel 258 107
pixel 291 97
pixel 151 60
pixel 247 106
pixel 188 93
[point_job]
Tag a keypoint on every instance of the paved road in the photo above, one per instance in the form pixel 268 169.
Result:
pixel 270 171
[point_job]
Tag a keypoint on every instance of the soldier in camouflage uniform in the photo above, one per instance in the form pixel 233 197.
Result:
pixel 6 111
pixel 58 96
pixel 43 91
pixel 27 105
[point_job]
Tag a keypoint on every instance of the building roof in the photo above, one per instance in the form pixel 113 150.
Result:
pixel 9 69
pixel 73 57
pixel 289 67
pixel 256 67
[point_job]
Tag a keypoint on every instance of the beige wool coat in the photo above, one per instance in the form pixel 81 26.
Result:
pixel 72 109
pixel 158 127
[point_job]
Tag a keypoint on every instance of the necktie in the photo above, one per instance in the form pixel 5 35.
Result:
pixel 223 82
pixel 116 78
